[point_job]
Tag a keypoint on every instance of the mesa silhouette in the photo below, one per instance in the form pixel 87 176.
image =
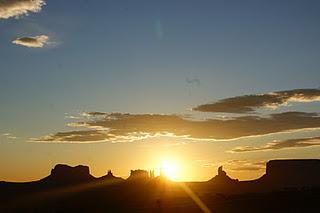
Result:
pixel 287 185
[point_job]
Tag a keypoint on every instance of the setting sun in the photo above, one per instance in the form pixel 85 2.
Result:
pixel 170 169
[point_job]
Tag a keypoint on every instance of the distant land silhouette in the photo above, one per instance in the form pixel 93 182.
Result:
pixel 287 186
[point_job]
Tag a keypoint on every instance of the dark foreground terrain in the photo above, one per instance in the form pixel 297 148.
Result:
pixel 287 186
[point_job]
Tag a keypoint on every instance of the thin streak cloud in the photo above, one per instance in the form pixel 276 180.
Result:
pixel 285 144
pixel 237 165
pixel 9 136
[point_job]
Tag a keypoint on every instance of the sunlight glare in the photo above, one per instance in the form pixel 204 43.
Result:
pixel 170 169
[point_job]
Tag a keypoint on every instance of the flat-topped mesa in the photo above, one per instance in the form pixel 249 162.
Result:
pixel 67 174
pixel 295 172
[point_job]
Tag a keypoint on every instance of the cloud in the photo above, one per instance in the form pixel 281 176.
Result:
pixel 285 144
pixel 35 42
pixel 250 103
pixel 9 136
pixel 245 165
pixel 94 113
pixel 239 165
pixel 17 8
pixel 115 127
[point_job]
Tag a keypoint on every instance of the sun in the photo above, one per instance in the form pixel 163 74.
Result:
pixel 170 169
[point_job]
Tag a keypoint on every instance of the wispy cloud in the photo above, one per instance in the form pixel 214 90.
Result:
pixel 9 135
pixel 285 144
pixel 237 165
pixel 250 103
pixel 35 42
pixel 245 165
pixel 115 127
pixel 17 8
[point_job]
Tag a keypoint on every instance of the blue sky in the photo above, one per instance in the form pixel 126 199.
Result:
pixel 136 57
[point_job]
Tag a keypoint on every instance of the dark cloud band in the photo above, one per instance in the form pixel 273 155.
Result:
pixel 250 103
pixel 129 127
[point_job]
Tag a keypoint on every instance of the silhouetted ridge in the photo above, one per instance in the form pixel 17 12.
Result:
pixel 280 174
pixel 287 186
pixel 67 174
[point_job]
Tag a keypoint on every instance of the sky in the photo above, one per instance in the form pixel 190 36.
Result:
pixel 130 84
